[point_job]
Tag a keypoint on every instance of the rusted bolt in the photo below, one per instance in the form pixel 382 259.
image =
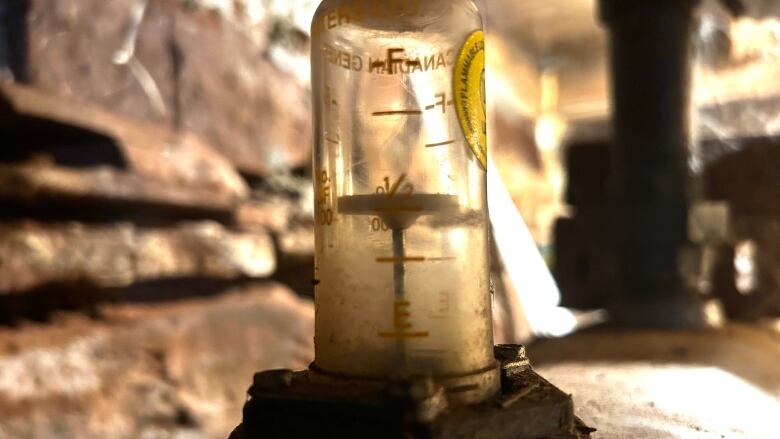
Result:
pixel 509 353
pixel 273 379
pixel 513 362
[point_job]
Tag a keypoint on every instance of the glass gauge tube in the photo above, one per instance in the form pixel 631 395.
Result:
pixel 401 237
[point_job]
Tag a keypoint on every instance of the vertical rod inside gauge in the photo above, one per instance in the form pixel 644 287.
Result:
pixel 399 279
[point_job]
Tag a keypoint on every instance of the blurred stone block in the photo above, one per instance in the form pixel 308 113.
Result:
pixel 153 152
pixel 87 189
pixel 629 382
pixel 168 370
pixel 188 68
pixel 297 242
pixel 72 46
pixel 271 213
pixel 709 222
pixel 32 255
pixel 749 274
pixel 257 115
pixel 747 177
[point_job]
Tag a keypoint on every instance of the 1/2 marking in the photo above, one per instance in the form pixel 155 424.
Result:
pixel 391 190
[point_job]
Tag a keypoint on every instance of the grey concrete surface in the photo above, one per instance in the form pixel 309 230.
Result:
pixel 712 384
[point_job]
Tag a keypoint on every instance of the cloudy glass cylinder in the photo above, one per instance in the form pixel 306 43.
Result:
pixel 402 286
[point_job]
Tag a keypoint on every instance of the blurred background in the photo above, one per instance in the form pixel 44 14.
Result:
pixel 156 215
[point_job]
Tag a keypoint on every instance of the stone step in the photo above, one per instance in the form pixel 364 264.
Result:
pixel 150 151
pixel 33 255
pixel 183 67
pixel 102 194
pixel 168 370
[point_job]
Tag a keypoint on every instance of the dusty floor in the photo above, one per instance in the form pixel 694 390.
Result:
pixel 712 384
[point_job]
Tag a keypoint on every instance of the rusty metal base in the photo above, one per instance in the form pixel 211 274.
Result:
pixel 286 404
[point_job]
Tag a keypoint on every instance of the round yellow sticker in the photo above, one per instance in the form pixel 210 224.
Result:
pixel 469 92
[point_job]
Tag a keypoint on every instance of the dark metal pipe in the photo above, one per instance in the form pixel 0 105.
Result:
pixel 650 63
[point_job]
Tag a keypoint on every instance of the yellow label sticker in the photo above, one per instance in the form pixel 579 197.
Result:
pixel 469 92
